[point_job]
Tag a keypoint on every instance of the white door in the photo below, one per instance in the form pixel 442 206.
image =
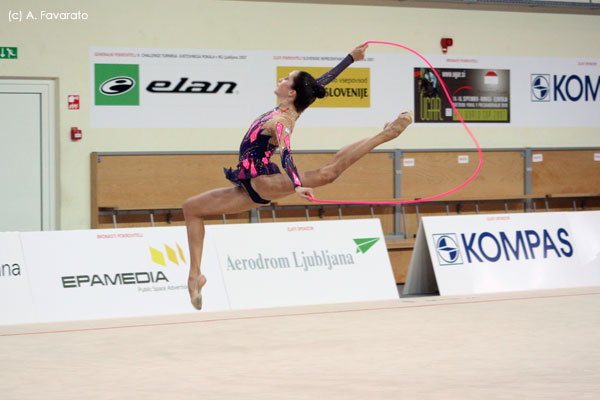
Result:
pixel 27 192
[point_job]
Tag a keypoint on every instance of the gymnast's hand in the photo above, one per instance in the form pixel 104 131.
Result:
pixel 305 192
pixel 359 52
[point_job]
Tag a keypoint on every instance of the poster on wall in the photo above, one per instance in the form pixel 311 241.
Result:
pixel 195 88
pixel 350 90
pixel 170 88
pixel 479 95
pixel 557 92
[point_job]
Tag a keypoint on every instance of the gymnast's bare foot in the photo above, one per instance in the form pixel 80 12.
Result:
pixel 195 285
pixel 393 129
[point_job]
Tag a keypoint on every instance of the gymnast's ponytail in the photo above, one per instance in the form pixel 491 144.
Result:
pixel 307 91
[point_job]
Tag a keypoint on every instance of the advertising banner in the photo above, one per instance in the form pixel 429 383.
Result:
pixel 480 95
pixel 348 91
pixel 556 92
pixel 300 263
pixel 15 293
pixel 507 252
pixel 187 88
pixel 109 273
pixel 96 274
pixel 159 88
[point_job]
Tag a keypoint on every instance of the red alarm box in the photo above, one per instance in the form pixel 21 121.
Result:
pixel 76 133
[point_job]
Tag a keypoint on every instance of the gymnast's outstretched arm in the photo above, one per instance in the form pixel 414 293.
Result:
pixel 355 55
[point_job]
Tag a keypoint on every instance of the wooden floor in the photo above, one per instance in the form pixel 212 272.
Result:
pixel 526 345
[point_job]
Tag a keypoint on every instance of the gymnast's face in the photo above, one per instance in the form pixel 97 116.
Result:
pixel 284 88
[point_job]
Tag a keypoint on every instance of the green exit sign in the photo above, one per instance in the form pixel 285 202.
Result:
pixel 7 53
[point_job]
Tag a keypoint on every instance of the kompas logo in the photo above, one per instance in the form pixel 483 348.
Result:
pixel 446 247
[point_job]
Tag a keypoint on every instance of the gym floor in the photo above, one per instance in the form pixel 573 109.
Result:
pixel 520 345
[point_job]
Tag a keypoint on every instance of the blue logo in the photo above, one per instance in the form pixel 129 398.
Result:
pixel 540 87
pixel 446 247
pixel 546 88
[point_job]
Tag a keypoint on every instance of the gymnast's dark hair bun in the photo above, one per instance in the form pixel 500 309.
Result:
pixel 319 91
pixel 307 90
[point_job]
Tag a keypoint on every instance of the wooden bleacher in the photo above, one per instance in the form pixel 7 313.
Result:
pixel 569 178
pixel 122 184
pixel 148 189
pixel 152 183
pixel 501 177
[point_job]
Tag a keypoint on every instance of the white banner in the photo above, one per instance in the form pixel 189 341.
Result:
pixel 94 274
pixel 15 293
pixel 299 263
pixel 164 88
pixel 555 91
pixel 508 252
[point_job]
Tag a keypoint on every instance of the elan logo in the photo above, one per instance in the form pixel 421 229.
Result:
pixel 116 84
pixel 183 86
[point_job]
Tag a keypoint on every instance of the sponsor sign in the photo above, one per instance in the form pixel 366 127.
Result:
pixel 480 95
pixel 117 84
pixel 94 274
pixel 285 264
pixel 352 89
pixel 561 92
pixel 15 294
pixel 172 88
pixel 207 88
pixel 183 88
pixel 508 252
pixel 564 87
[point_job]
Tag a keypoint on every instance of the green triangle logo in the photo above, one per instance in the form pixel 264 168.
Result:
pixel 364 244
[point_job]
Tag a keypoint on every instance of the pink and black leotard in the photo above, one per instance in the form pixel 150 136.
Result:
pixel 256 151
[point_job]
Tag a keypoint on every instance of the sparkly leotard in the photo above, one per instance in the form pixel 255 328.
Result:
pixel 256 151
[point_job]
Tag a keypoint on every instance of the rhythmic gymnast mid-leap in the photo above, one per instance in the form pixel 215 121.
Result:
pixel 256 178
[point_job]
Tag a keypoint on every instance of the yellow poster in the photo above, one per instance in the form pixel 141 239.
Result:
pixel 351 89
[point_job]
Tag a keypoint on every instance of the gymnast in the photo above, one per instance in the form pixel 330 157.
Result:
pixel 256 178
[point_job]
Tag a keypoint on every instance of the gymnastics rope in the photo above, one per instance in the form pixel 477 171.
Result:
pixel 465 183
